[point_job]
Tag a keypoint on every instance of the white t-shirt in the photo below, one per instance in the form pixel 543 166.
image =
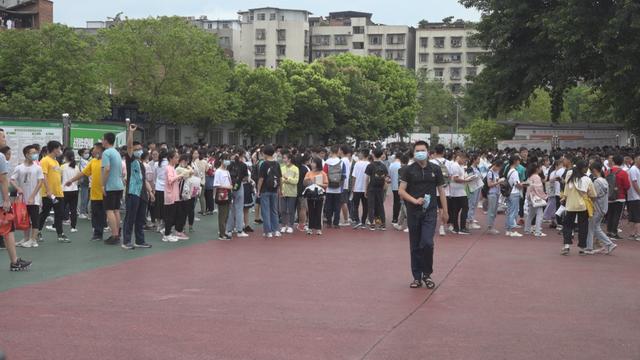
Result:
pixel 455 170
pixel 161 175
pixel 514 179
pixel 360 177
pixel 559 176
pixel 222 178
pixel 27 178
pixel 69 173
pixel 347 164
pixel 634 176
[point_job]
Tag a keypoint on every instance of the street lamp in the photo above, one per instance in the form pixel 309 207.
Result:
pixel 617 140
pixel 495 142
pixel 66 129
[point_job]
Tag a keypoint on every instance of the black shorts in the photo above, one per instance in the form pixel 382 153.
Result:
pixel 34 215
pixel 634 211
pixel 112 200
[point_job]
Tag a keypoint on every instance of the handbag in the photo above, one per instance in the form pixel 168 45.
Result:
pixel 6 222
pixel 537 201
pixel 20 215
pixel 589 205
pixel 222 196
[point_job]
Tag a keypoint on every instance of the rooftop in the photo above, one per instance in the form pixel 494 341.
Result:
pixel 272 8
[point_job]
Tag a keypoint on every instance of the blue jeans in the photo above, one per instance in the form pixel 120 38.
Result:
pixel 492 209
pixel 513 206
pixel 474 197
pixel 269 211
pixel 84 200
pixel 422 228
pixel 236 215
pixel 134 219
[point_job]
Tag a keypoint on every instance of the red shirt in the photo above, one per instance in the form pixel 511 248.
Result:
pixel 622 181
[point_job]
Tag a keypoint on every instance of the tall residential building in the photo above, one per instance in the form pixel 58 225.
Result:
pixel 227 31
pixel 269 35
pixel 447 52
pixel 25 14
pixel 354 32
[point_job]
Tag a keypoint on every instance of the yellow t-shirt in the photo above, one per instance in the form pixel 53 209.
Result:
pixel 52 175
pixel 94 171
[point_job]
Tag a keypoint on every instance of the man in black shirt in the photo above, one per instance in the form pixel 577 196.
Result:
pixel 418 185
pixel 377 182
pixel 269 184
pixel 239 173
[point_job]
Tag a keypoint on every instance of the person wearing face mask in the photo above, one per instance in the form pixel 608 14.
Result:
pixel 139 193
pixel 27 179
pixel 418 185
pixel 70 169
pixel 239 173
pixel 83 186
pixel 185 209
pixel 223 185
pixel 52 194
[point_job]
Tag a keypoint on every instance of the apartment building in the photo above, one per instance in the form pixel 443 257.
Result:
pixel 447 52
pixel 355 32
pixel 227 31
pixel 25 14
pixel 269 35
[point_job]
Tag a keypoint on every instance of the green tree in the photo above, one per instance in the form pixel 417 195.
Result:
pixel 436 104
pixel 45 73
pixel 172 70
pixel 483 132
pixel 552 45
pixel 266 101
pixel 316 99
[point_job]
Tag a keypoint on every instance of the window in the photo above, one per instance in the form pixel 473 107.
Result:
pixel 173 135
pixel 424 58
pixel 455 73
pixel 306 36
pixel 472 72
pixel 377 53
pixel 456 58
pixel 395 39
pixel 424 71
pixel 215 137
pixel 261 34
pixel 439 58
pixel 358 29
pixel 340 40
pixel 375 39
pixel 456 88
pixel 272 16
pixel 472 42
pixel 317 54
pixel 251 17
pixel 472 58
pixel 321 40
pixel 456 42
pixel 438 73
pixel 210 26
pixel 278 62
pixel 225 25
pixel 282 34
pixel 358 45
pixel 424 42
pixel 438 42
pixel 224 41
pixel 234 137
pixel 260 49
pixel 282 18
pixel 394 54
pixel 282 50
pixel 261 63
pixel 262 17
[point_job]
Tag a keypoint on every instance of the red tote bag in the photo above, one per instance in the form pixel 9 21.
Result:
pixel 20 215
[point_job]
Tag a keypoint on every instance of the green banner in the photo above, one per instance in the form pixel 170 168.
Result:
pixel 83 136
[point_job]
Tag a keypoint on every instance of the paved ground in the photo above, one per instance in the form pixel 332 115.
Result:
pixel 344 295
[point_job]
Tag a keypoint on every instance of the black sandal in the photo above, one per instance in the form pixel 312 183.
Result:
pixel 416 284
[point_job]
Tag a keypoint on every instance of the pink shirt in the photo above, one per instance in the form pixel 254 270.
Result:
pixel 172 186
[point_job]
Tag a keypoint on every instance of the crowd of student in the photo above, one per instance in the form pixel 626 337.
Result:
pixel 308 189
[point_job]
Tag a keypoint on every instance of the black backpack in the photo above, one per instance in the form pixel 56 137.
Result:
pixel 485 186
pixel 272 181
pixel 234 171
pixel 613 185
pixel 379 175
pixel 505 187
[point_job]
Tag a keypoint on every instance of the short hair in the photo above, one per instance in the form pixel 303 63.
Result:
pixel 5 149
pixel 377 153
pixel 185 157
pixel 346 149
pixel 439 149
pixel 335 149
pixel 26 149
pixel 420 142
pixel 136 143
pixel 268 150
pixel 98 145
pixel 110 138
pixel 618 159
pixel 52 145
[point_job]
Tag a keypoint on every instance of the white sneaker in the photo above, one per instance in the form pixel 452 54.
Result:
pixel 269 235
pixel 169 238
pixel 196 219
pixel 73 230
pixel 30 244
pixel 289 230
pixel 22 242
pixel 451 228
pixel 442 232
pixel 283 230
pixel 278 234
pixel 342 224
pixel 474 226
pixel 243 234
pixel 82 216
pixel 493 231
pixel 406 230
pixel 50 228
pixel 397 227
pixel 515 234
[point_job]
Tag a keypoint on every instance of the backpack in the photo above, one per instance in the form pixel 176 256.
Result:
pixel 445 171
pixel 485 186
pixel 505 187
pixel 335 175
pixel 234 171
pixel 613 185
pixel 379 175
pixel 272 181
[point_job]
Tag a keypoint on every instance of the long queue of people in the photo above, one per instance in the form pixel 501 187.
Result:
pixel 291 189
